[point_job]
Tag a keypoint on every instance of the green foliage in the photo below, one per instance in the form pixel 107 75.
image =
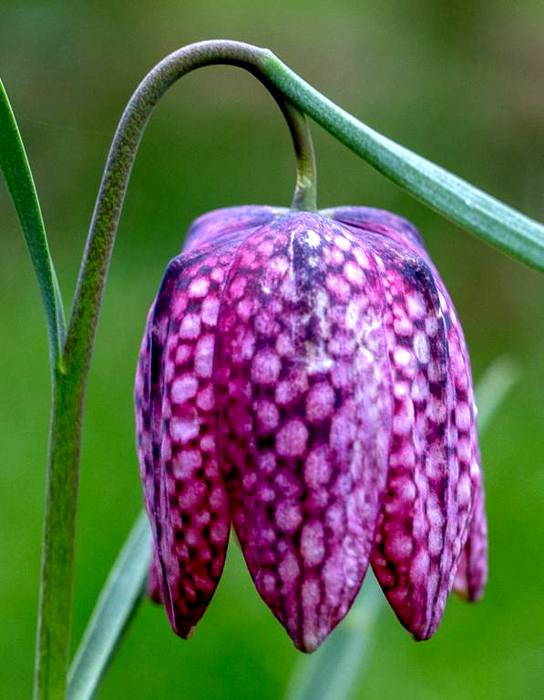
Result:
pixel 115 607
pixel 16 168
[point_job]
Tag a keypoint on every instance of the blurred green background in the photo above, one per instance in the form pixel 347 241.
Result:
pixel 461 85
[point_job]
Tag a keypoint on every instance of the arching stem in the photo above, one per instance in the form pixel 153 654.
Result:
pixel 70 378
pixel 121 158
pixel 305 195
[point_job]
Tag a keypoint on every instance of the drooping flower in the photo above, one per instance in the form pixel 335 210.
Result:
pixel 304 377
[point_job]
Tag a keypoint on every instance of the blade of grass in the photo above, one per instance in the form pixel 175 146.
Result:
pixel 16 168
pixel 116 605
pixel 334 670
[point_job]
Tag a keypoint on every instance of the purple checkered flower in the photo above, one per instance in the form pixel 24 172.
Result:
pixel 304 377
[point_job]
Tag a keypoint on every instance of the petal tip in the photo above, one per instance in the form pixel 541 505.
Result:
pixel 310 643
pixel 309 640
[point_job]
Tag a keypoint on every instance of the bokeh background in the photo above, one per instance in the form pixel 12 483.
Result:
pixel 460 83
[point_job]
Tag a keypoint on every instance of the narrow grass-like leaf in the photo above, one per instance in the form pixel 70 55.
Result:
pixel 474 210
pixel 16 168
pixel 335 669
pixel 114 609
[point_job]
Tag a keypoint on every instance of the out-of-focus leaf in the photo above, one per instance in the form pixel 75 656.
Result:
pixel 114 609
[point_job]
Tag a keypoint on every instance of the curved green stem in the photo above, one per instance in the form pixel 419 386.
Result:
pixel 123 151
pixel 305 195
pixel 54 621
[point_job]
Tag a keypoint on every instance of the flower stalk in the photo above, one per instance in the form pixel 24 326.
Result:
pixel 55 608
pixel 70 378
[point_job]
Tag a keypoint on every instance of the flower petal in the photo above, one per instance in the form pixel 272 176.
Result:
pixel 470 537
pixel 471 575
pixel 145 451
pixel 304 395
pixel 381 222
pixel 432 467
pixel 143 417
pixel 154 581
pixel 221 224
pixel 187 502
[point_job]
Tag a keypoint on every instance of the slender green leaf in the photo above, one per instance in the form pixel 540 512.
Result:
pixel 454 198
pixel 334 671
pixel 114 609
pixel 15 166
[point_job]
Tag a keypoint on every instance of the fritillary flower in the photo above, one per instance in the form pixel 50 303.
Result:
pixel 304 378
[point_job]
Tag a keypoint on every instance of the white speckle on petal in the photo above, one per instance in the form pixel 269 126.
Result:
pixel 312 238
pixel 204 356
pixel 288 516
pixel 210 309
pixel 291 439
pixel 319 402
pixel 190 326
pixel 317 468
pixel 265 367
pixel 199 287
pixel 183 388
pixel 421 348
pixel 184 429
pixel 289 569
pixel 311 544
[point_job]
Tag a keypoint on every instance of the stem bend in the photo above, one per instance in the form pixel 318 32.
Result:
pixel 54 619
pixel 121 157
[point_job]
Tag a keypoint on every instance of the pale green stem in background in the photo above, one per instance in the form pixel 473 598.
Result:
pixel 335 670
pixel 494 385
pixel 114 609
